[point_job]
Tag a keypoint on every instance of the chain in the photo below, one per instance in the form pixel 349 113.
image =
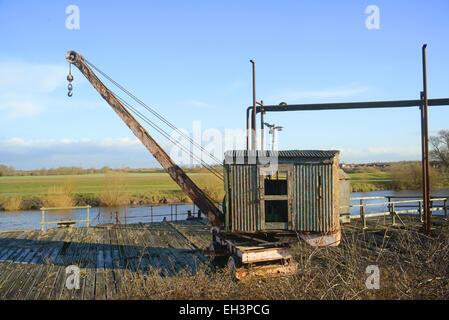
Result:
pixel 70 79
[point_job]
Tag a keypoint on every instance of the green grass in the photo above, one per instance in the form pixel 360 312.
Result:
pixel 89 183
pixel 148 183
pixel 142 188
pixel 370 181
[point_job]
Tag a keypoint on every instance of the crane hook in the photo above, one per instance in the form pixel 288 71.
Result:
pixel 70 79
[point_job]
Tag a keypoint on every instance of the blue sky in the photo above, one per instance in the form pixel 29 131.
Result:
pixel 190 61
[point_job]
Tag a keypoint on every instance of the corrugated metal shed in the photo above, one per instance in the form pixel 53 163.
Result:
pixel 312 196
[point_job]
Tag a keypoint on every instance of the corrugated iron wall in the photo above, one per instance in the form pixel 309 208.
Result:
pixel 243 198
pixel 313 197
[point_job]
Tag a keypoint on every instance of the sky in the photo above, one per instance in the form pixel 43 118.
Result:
pixel 189 60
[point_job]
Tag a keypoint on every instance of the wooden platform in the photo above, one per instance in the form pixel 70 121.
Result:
pixel 33 263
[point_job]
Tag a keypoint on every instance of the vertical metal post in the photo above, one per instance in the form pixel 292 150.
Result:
pixel 262 130
pixel 248 131
pixel 151 213
pixel 425 146
pixel 176 212
pixel 125 215
pixel 253 124
pixel 87 220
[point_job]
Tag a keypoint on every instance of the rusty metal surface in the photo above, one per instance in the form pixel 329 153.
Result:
pixel 425 146
pixel 176 173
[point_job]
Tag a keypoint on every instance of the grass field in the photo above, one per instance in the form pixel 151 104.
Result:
pixel 140 188
pixel 370 181
pixel 90 183
pixel 143 183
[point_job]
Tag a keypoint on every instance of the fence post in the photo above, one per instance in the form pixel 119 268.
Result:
pixel 393 216
pixel 176 212
pixel 125 215
pixel 388 208
pixel 445 207
pixel 420 211
pixel 362 213
pixel 87 220
pixel 151 213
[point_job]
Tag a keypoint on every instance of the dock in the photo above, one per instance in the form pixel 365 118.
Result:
pixel 33 262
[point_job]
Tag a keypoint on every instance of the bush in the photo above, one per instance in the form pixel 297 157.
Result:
pixel 13 203
pixel 59 196
pixel 115 191
pixel 408 176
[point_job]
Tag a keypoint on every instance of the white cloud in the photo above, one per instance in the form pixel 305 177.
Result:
pixel 372 154
pixel 25 77
pixel 118 152
pixel 24 86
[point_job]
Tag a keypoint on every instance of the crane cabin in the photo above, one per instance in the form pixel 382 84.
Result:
pixel 291 190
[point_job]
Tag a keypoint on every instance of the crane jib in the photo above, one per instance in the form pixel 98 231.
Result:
pixel 205 205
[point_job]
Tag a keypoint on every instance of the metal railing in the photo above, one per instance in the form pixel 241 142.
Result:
pixel 174 215
pixel 392 207
pixel 62 222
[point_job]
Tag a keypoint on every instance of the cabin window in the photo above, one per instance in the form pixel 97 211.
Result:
pixel 276 211
pixel 276 184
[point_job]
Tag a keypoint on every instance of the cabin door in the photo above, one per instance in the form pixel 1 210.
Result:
pixel 275 198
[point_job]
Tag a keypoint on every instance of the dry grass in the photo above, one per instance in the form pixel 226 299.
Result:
pixel 13 203
pixel 211 186
pixel 412 266
pixel 60 196
pixel 115 190
pixel 408 176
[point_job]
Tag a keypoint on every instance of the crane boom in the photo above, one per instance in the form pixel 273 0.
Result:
pixel 206 206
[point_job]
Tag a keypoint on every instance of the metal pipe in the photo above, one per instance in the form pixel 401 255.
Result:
pixel 247 128
pixel 253 124
pixel 353 105
pixel 425 146
pixel 262 130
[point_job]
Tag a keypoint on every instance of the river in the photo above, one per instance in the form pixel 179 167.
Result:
pixel 31 219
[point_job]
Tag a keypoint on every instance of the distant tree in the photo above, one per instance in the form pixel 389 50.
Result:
pixel 440 148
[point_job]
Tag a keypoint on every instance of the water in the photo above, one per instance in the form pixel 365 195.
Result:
pixel 31 219
pixel 407 194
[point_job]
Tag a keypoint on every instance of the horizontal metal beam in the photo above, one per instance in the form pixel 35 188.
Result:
pixel 352 105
